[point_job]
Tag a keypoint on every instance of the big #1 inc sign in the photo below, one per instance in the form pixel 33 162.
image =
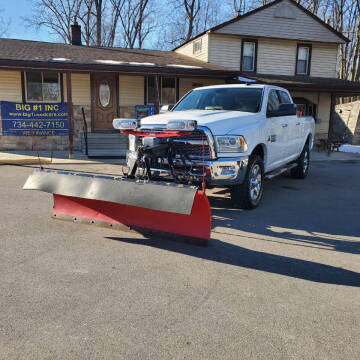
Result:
pixel 39 119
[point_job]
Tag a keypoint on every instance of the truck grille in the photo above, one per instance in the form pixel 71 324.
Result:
pixel 191 145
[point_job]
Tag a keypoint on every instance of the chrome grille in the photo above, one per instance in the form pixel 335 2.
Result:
pixel 191 145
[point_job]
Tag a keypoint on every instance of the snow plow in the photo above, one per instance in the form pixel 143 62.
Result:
pixel 140 200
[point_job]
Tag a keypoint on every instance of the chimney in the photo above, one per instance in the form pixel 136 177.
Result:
pixel 75 33
pixel 237 13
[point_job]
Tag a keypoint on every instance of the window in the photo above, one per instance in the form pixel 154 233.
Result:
pixel 42 86
pixel 151 90
pixel 273 101
pixel 197 46
pixel 284 97
pixel 305 107
pixel 248 57
pixel 167 90
pixel 303 60
pixel 231 99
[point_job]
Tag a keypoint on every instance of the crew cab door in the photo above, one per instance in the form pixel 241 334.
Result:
pixel 277 133
pixel 293 128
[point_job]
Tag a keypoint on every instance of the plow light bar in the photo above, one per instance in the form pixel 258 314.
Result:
pixel 187 125
pixel 126 124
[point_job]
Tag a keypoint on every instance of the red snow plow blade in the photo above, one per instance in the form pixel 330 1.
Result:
pixel 147 207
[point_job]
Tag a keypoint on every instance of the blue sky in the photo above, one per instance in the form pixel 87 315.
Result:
pixel 15 10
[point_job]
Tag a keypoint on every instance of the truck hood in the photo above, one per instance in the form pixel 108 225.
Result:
pixel 220 122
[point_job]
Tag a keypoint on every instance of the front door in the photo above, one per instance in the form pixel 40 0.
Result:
pixel 105 107
pixel 278 134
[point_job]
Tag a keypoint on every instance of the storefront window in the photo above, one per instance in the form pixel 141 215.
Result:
pixel 150 90
pixel 167 92
pixel 42 86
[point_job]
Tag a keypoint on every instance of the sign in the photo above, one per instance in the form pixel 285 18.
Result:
pixel 142 111
pixel 40 119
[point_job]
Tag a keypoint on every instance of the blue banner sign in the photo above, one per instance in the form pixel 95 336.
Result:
pixel 142 111
pixel 40 119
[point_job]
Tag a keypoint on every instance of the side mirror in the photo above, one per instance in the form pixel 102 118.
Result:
pixel 166 108
pixel 283 110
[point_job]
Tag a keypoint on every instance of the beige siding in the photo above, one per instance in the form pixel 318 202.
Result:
pixel 323 101
pixel 225 51
pixel 10 86
pixel 276 57
pixel 324 60
pixel 187 49
pixel 131 90
pixel 185 85
pixel 81 89
pixel 273 23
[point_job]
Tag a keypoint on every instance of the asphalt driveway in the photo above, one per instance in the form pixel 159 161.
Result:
pixel 279 282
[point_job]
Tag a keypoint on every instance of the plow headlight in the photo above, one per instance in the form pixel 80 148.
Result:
pixel 186 125
pixel 231 144
pixel 125 124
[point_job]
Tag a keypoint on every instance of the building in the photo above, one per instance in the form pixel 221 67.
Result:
pixel 105 82
pixel 283 44
pixel 280 43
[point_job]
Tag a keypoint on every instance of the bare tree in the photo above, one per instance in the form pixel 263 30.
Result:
pixel 192 9
pixel 134 25
pixel 117 6
pixel 56 15
pixel 190 17
pixel 4 25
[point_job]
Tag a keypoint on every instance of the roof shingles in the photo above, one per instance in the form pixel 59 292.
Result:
pixel 63 55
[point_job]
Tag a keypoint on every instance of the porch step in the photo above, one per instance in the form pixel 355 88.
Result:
pixel 105 145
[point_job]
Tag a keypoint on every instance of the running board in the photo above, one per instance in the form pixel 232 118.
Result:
pixel 277 172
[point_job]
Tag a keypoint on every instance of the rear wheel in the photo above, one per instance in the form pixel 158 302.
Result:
pixel 248 194
pixel 303 162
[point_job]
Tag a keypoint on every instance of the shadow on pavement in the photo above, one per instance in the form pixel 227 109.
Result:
pixel 230 254
pixel 320 211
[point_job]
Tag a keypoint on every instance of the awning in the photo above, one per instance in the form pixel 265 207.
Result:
pixel 308 83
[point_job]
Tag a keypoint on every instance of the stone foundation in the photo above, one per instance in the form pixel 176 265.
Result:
pixel 49 142
pixel 127 112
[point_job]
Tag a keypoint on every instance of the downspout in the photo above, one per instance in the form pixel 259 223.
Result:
pixel 70 114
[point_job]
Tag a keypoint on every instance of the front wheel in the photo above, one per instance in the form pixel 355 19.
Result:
pixel 248 194
pixel 303 162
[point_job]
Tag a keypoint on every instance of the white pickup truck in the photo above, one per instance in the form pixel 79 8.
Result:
pixel 243 132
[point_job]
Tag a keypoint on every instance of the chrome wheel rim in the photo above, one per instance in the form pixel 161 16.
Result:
pixel 306 161
pixel 255 182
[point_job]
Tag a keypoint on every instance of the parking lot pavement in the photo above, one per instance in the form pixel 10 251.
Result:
pixel 278 282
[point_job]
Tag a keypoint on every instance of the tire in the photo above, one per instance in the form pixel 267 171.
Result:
pixel 248 194
pixel 303 163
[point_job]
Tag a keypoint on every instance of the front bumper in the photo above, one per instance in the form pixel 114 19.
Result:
pixel 219 172
pixel 227 171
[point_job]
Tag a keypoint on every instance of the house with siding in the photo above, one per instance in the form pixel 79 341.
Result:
pixel 104 82
pixel 280 43
pixel 283 44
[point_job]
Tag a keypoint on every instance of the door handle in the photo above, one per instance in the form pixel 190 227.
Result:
pixel 284 125
pixel 298 123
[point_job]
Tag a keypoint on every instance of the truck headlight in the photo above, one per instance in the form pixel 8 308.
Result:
pixel 230 144
pixel 125 124
pixel 186 125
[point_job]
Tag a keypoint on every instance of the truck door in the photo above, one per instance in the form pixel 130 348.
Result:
pixel 277 138
pixel 294 135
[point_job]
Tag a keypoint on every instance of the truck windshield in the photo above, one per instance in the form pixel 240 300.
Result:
pixel 233 99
